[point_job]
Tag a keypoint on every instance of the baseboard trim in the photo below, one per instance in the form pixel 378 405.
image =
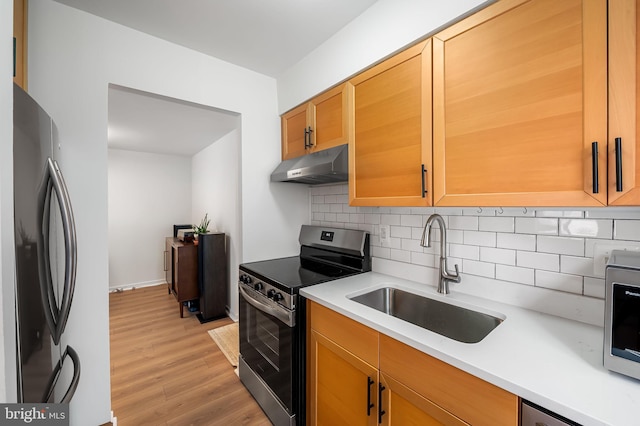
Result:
pixel 133 286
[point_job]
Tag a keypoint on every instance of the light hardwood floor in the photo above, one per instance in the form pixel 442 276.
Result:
pixel 166 370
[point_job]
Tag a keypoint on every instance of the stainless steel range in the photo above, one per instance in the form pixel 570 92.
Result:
pixel 273 319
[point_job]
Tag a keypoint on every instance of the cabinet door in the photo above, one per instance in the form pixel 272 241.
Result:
pixel 404 407
pixel 624 167
pixel 520 95
pixel 331 117
pixel 467 397
pixel 186 272
pixel 391 146
pixel 20 36
pixel 343 388
pixel 294 123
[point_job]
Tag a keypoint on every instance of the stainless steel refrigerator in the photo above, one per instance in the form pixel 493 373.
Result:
pixel 45 246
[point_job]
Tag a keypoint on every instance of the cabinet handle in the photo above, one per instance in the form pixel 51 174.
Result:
pixel 381 412
pixel 165 261
pixel 594 166
pixel 619 164
pixel 306 138
pixel 369 404
pixel 309 133
pixel 424 181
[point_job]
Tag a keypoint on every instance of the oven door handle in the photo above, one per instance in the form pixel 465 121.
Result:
pixel 286 317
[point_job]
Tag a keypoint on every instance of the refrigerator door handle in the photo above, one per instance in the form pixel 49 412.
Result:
pixel 55 375
pixel 54 181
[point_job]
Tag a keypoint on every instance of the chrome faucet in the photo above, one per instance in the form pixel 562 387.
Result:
pixel 445 275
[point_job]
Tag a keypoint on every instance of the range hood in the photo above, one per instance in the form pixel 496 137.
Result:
pixel 327 166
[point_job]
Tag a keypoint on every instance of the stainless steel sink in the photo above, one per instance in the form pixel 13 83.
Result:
pixel 455 322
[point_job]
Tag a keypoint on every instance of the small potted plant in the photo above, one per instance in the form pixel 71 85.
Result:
pixel 203 228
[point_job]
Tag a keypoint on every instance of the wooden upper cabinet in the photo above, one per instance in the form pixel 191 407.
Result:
pixel 624 110
pixel 20 42
pixel 390 153
pixel 520 95
pixel 322 123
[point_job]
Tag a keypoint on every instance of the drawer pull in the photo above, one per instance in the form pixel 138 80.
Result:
pixel 618 164
pixel 594 166
pixel 369 403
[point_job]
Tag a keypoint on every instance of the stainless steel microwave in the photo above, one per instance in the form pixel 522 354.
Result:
pixel 622 313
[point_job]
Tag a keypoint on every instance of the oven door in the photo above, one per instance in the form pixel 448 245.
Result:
pixel 267 343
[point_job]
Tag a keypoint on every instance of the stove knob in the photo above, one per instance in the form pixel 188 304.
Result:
pixel 271 293
pixel 247 279
pixel 278 297
pixel 258 286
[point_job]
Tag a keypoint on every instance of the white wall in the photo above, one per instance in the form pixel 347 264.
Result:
pixel 7 275
pixel 148 194
pixel 384 28
pixel 73 57
pixel 216 191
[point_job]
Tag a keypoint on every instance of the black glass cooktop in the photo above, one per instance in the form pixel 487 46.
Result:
pixel 291 273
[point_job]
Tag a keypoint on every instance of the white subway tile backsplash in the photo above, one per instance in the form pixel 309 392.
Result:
pixel 411 220
pixel 423 259
pixel 516 241
pixel 373 218
pixel 463 222
pixel 464 251
pixel 576 265
pixel 342 217
pixel 589 228
pixel 411 245
pixel 384 252
pixel 479 238
pixel 390 219
pixel 400 232
pixel 626 230
pixel 614 213
pixel 356 217
pixel 343 198
pixel 401 255
pixel 496 224
pixel 540 226
pixel 515 274
pixel 561 245
pixel 478 268
pixel 544 261
pixel 560 213
pixel 497 255
pixel 455 236
pixel 550 248
pixel 562 282
pixel 594 287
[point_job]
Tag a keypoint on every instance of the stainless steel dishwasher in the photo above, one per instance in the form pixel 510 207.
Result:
pixel 533 415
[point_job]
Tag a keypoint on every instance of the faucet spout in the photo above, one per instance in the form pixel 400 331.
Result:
pixel 445 274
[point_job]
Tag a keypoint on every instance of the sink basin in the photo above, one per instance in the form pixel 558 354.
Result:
pixel 458 323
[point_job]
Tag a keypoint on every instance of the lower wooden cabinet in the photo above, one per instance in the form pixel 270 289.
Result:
pixel 357 376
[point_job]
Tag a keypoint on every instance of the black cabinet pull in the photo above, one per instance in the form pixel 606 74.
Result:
pixel 594 166
pixel 369 403
pixel 381 412
pixel 619 164
pixel 306 138
pixel 309 130
pixel 424 181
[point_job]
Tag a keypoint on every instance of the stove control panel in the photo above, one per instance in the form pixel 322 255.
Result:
pixel 273 294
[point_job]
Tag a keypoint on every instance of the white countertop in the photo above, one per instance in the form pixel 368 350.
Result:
pixel 551 361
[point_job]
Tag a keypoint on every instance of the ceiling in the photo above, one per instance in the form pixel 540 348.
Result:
pixel 146 122
pixel 266 36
